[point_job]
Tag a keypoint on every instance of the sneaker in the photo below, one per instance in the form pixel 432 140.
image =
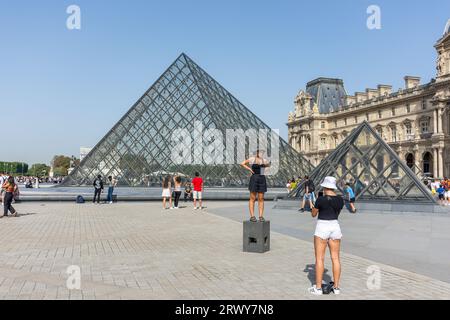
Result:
pixel 195 208
pixel 317 292
pixel 336 290
pixel 301 210
pixel 201 208
pixel 110 202
pixel 176 208
pixel 171 208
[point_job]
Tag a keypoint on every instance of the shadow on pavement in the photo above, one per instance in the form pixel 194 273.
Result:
pixel 311 270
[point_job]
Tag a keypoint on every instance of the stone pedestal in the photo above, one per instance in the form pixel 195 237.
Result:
pixel 256 236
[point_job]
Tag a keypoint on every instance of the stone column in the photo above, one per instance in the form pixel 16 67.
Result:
pixel 439 119
pixel 435 163
pixel 435 121
pixel 417 160
pixel 441 162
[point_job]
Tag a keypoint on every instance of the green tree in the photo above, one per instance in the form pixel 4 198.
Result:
pixel 39 170
pixel 14 167
pixel 61 164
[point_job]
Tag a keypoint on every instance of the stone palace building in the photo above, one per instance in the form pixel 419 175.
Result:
pixel 414 121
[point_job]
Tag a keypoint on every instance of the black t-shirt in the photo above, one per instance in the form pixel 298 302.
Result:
pixel 329 207
pixel 310 186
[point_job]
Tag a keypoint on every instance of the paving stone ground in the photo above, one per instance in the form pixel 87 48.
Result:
pixel 139 251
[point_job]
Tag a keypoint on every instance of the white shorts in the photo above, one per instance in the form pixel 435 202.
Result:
pixel 197 195
pixel 328 230
pixel 166 193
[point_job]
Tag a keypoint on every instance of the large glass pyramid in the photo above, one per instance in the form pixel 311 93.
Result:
pixel 372 168
pixel 139 148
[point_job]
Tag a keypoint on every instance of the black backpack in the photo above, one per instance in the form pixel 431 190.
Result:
pixel 80 199
pixel 327 288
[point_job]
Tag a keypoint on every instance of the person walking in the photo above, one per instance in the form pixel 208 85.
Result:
pixel 166 192
pixel 197 182
pixel 441 194
pixel 176 190
pixel 112 183
pixel 309 194
pixel 327 233
pixel 98 188
pixel 9 188
pixel 258 184
pixel 3 179
pixel 351 197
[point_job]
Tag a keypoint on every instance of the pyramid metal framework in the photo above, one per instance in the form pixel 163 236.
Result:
pixel 138 149
pixel 374 170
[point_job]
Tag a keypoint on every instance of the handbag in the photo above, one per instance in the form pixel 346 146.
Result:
pixel 327 288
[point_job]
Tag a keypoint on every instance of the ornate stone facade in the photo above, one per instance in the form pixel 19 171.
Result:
pixel 414 121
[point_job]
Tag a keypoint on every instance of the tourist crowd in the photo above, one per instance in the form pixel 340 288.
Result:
pixel 441 189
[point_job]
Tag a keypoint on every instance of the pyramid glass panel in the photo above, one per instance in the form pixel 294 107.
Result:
pixel 187 114
pixel 372 168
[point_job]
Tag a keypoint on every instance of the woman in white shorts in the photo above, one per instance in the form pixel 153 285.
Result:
pixel 166 192
pixel 328 233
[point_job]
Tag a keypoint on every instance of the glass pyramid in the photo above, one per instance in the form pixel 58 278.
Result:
pixel 139 148
pixel 373 169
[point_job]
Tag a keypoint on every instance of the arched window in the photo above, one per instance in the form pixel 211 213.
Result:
pixel 410 160
pixel 427 163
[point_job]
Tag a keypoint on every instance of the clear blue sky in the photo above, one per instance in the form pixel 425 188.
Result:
pixel 62 89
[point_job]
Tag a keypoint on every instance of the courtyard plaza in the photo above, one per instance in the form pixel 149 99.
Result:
pixel 137 250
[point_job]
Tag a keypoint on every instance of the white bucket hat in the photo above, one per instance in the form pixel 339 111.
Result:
pixel 329 183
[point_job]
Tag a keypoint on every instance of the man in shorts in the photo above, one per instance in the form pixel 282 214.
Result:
pixel 197 182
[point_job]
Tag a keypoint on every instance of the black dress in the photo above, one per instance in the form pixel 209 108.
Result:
pixel 257 181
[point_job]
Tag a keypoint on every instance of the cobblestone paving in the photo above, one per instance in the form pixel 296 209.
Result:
pixel 139 251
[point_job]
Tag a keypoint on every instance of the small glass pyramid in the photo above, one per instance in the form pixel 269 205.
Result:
pixel 373 169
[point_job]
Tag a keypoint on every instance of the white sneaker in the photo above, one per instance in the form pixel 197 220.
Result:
pixel 176 208
pixel 317 292
pixel 337 290
pixel 195 208
pixel 171 208
pixel 110 202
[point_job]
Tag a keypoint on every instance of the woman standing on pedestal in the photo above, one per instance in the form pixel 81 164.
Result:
pixel 258 185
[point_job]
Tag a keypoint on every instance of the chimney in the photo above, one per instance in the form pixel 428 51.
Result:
pixel 360 96
pixel 411 82
pixel 349 100
pixel 371 93
pixel 384 90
